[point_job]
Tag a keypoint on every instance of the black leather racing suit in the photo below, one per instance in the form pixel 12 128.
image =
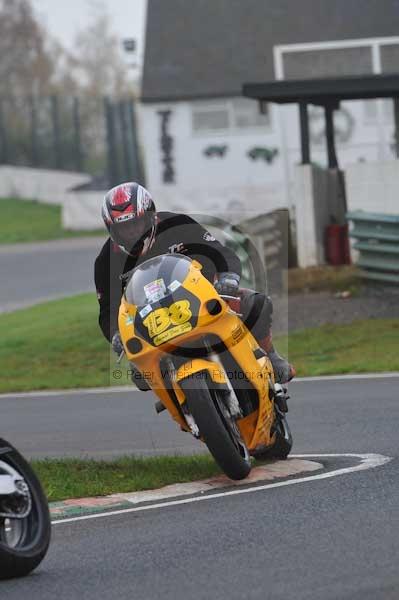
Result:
pixel 175 233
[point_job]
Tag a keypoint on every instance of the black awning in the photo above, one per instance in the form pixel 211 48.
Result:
pixel 330 90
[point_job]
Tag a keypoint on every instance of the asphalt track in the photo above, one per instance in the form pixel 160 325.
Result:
pixel 322 539
pixel 325 539
pixel 32 273
pixel 338 415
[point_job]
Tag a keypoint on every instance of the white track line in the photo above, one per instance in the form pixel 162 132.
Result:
pixel 388 375
pixel 73 392
pixel 368 461
pixel 129 389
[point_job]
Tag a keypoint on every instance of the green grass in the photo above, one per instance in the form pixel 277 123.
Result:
pixel 54 345
pixel 72 478
pixel 58 345
pixel 31 221
pixel 364 346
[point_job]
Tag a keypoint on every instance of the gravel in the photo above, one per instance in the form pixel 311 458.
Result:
pixel 312 309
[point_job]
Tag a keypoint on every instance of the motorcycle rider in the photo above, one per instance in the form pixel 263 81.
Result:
pixel 138 232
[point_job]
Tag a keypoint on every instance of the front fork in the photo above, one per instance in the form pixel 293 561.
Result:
pixel 280 398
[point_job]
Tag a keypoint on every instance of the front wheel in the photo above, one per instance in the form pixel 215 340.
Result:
pixel 283 444
pixel 218 429
pixel 283 441
pixel 25 526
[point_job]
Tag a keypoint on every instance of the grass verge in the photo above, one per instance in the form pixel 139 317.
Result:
pixel 32 221
pixel 72 478
pixel 364 346
pixel 55 345
pixel 58 345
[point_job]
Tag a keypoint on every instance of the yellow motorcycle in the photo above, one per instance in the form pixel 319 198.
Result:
pixel 202 362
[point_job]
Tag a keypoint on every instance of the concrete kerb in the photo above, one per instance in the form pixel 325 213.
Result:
pixel 269 472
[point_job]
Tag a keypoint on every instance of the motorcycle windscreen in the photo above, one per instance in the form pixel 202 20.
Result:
pixel 156 279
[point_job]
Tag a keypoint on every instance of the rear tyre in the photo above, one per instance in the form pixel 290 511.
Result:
pixel 218 429
pixel 24 542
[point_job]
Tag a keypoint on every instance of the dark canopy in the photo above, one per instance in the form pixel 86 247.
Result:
pixel 327 92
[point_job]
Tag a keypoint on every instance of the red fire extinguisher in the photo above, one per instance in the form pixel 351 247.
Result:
pixel 337 245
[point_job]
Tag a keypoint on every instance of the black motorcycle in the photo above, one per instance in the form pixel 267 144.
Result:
pixel 25 526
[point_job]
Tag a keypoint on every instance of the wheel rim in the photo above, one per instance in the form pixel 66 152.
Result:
pixel 20 534
pixel 13 531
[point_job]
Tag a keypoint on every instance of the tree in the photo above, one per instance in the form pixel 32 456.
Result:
pixel 25 67
pixel 100 67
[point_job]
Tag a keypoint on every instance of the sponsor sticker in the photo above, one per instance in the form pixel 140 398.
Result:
pixel 145 311
pixel 154 291
pixel 174 285
pixel 123 218
pixel 172 333
pixel 208 237
pixel 129 320
pixel 177 248
pixel 237 334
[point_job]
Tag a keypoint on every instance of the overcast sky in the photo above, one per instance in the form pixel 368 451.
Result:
pixel 64 17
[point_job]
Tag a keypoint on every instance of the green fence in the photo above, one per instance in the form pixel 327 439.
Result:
pixel 93 134
pixel 377 241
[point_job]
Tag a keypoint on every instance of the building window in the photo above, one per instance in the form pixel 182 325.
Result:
pixel 210 117
pixel 246 114
pixel 238 114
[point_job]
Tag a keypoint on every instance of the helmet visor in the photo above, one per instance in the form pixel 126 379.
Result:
pixel 130 234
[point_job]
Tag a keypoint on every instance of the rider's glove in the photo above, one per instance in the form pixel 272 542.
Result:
pixel 116 343
pixel 227 284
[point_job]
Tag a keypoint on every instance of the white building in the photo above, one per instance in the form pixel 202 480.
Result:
pixel 208 149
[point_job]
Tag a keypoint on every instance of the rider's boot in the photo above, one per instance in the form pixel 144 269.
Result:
pixel 283 370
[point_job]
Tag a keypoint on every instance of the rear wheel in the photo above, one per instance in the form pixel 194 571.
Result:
pixel 218 429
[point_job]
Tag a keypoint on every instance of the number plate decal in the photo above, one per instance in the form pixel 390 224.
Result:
pixel 169 334
pixel 166 323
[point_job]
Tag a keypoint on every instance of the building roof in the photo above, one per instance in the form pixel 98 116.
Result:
pixel 325 91
pixel 209 48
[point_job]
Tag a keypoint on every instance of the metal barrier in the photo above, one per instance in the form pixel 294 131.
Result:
pixel 272 234
pixel 377 241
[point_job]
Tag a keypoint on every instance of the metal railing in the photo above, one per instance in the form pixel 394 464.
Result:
pixel 377 242
pixel 93 134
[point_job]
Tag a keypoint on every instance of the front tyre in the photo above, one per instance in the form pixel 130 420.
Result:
pixel 283 441
pixel 283 444
pixel 218 429
pixel 23 541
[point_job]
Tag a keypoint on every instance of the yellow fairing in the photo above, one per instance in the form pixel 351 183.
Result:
pixel 226 325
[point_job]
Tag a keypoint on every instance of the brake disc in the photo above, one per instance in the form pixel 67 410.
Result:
pixel 15 496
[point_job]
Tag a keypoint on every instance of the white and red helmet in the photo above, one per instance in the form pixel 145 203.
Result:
pixel 130 216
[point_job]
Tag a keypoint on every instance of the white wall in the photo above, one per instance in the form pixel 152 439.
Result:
pixel 318 200
pixel 82 211
pixel 365 133
pixel 373 187
pixel 218 186
pixel 47 186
